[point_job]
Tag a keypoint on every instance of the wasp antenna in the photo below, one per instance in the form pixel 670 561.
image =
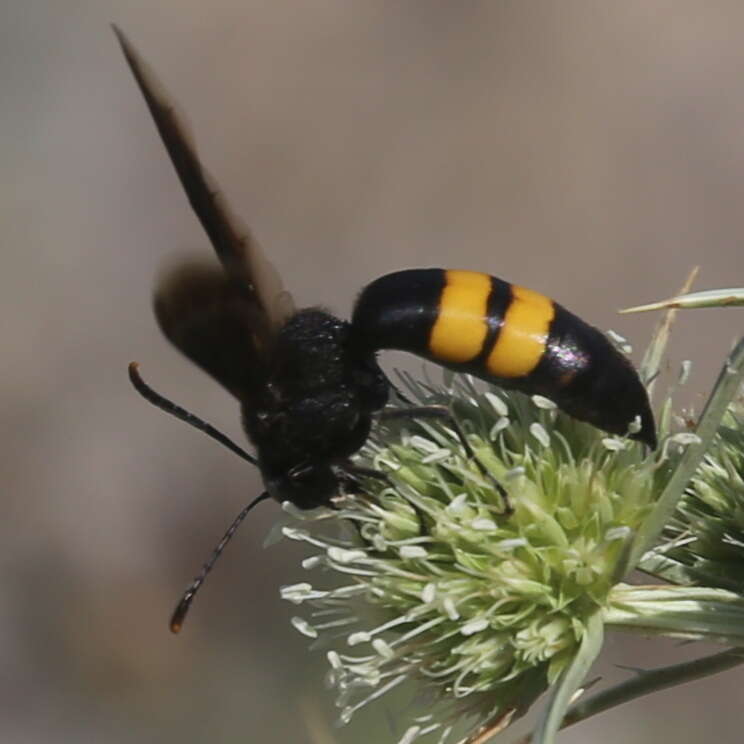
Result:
pixel 179 614
pixel 181 413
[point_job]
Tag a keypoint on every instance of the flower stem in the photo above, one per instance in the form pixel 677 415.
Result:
pixel 653 680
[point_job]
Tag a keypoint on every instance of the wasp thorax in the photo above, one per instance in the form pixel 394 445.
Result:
pixel 317 409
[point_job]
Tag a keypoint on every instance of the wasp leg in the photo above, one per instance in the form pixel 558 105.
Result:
pixel 349 474
pixel 444 414
pixel 400 395
pixel 361 472
pixel 352 472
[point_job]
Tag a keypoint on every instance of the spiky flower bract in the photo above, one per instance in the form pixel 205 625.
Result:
pixel 704 540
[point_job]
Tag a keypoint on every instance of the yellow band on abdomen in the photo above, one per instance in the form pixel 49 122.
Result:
pixel 461 325
pixel 524 332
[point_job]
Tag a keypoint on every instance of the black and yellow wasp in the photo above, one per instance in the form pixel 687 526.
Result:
pixel 308 383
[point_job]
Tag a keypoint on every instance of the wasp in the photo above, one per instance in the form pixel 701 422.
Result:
pixel 309 384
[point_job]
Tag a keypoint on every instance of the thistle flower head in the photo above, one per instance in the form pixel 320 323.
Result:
pixel 704 541
pixel 441 584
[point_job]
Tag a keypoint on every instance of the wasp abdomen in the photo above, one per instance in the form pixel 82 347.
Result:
pixel 507 334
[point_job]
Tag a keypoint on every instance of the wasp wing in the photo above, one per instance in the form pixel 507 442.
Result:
pixel 215 323
pixel 223 321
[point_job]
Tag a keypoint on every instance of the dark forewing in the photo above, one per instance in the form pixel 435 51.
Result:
pixel 236 248
pixel 212 320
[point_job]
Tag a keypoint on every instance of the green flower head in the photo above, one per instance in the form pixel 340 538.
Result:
pixel 442 583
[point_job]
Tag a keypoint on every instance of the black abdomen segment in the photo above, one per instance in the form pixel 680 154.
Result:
pixel 506 334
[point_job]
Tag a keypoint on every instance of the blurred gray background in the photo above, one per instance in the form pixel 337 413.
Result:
pixel 591 150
